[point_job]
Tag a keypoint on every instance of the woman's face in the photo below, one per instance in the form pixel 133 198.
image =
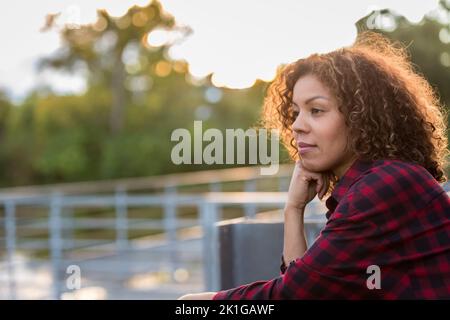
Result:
pixel 319 123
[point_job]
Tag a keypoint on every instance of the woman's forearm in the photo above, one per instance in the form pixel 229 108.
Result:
pixel 198 296
pixel 294 235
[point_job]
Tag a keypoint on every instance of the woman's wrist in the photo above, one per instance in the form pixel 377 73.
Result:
pixel 294 217
pixel 294 208
pixel 294 234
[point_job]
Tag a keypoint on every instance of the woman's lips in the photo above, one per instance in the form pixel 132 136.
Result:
pixel 304 147
pixel 304 150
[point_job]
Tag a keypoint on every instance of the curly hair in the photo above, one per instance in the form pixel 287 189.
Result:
pixel 390 109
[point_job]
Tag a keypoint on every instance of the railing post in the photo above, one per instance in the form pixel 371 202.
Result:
pixel 68 224
pixel 170 226
pixel 121 220
pixel 55 243
pixel 250 208
pixel 283 183
pixel 217 187
pixel 10 231
pixel 211 266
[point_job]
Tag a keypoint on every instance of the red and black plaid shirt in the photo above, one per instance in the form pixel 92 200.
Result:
pixel 389 213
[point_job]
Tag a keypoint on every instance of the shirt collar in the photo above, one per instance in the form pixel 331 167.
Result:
pixel 345 182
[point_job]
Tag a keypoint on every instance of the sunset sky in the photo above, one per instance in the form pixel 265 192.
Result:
pixel 239 41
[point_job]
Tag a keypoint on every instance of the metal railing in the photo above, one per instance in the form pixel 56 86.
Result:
pixel 54 214
pixel 54 209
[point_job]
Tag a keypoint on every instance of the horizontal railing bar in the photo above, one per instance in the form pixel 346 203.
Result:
pixel 218 198
pixel 153 182
pixel 66 244
pixel 108 223
pixel 160 199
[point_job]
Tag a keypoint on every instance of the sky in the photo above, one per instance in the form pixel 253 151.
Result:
pixel 238 41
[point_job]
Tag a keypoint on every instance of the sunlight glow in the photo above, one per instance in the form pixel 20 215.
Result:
pixel 237 41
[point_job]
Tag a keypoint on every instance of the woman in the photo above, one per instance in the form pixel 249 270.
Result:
pixel 369 134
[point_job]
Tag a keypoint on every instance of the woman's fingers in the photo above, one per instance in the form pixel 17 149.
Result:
pixel 322 189
pixel 319 186
pixel 317 181
pixel 325 187
pixel 317 178
pixel 328 179
pixel 323 183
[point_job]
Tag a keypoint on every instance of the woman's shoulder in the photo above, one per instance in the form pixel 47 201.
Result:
pixel 391 177
pixel 393 168
pixel 395 186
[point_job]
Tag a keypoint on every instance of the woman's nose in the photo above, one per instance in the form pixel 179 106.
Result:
pixel 300 124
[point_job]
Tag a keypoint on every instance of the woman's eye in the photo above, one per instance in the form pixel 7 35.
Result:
pixel 315 110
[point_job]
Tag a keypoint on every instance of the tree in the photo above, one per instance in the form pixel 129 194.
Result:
pixel 428 53
pixel 102 48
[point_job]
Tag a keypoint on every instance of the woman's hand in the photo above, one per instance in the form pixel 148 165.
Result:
pixel 198 296
pixel 305 185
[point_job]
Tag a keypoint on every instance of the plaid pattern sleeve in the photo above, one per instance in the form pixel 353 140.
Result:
pixel 387 213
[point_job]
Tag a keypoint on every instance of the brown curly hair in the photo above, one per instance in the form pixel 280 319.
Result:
pixel 392 112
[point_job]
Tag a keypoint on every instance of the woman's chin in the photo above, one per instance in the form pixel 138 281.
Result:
pixel 312 165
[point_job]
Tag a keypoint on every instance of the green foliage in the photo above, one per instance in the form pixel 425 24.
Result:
pixel 116 129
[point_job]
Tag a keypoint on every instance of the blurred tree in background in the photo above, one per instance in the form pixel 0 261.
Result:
pixel 115 52
pixel 428 43
pixel 136 96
